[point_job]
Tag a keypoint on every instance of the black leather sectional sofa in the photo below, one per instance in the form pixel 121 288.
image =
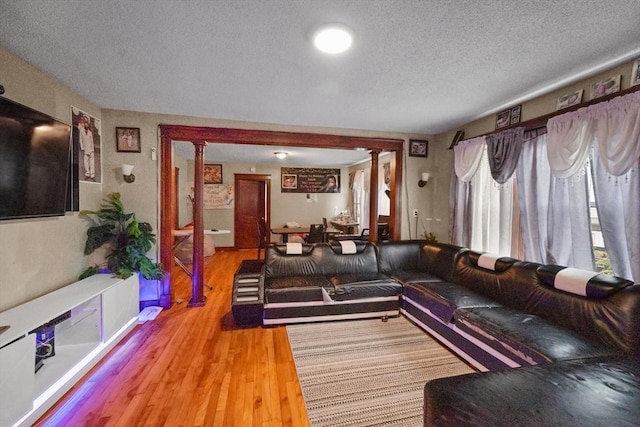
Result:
pixel 567 331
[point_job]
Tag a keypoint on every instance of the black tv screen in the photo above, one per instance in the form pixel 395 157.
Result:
pixel 35 163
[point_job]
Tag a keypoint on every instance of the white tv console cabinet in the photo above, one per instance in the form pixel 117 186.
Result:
pixel 103 310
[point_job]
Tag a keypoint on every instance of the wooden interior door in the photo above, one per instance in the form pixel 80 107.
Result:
pixel 252 201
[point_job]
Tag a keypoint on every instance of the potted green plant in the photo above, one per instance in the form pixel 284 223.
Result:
pixel 430 237
pixel 128 239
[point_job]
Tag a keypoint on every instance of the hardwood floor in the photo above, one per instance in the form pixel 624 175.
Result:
pixel 191 367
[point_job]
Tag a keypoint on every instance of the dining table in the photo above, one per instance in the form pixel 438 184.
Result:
pixel 286 231
pixel 347 227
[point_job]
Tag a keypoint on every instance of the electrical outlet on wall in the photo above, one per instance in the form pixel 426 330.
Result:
pixel 415 213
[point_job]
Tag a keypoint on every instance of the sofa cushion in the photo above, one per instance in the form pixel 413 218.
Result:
pixel 585 283
pixel 358 286
pixel 586 393
pixel 413 276
pixel 443 298
pixel 524 337
pixel 312 293
pixel 285 282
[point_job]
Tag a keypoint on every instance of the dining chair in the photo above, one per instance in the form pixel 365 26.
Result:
pixel 326 227
pixel 262 235
pixel 316 233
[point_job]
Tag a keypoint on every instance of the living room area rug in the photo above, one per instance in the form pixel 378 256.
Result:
pixel 367 372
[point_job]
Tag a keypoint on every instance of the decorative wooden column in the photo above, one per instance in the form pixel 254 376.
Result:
pixel 373 197
pixel 197 280
pixel 166 227
pixel 395 188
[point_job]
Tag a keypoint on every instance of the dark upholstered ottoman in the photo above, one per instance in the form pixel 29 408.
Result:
pixel 586 392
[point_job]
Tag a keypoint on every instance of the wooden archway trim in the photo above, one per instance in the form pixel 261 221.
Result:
pixel 195 134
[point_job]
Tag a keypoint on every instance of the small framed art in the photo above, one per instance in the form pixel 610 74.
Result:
pixel 418 148
pixel 503 119
pixel 128 140
pixel 515 114
pixel 635 72
pixel 213 174
pixel 570 99
pixel 605 87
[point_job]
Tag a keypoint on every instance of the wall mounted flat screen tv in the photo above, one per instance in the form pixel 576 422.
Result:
pixel 35 163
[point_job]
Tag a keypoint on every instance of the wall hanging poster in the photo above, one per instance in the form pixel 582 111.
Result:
pixel 216 196
pixel 87 145
pixel 310 180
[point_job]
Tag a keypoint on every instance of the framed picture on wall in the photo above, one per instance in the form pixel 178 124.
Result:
pixel 87 142
pixel 503 119
pixel 570 99
pixel 605 87
pixel 128 140
pixel 635 72
pixel 418 148
pixel 289 181
pixel 515 114
pixel 213 174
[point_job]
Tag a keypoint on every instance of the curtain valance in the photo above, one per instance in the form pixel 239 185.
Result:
pixel 614 125
pixel 468 155
pixel 503 151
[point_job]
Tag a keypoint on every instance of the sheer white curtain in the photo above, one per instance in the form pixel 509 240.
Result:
pixel 483 210
pixel 613 129
pixel 468 155
pixel 364 201
pixel 384 203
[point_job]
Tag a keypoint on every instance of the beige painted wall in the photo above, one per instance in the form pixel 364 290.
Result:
pixel 544 104
pixel 38 256
pixel 41 255
pixel 284 206
pixel 47 254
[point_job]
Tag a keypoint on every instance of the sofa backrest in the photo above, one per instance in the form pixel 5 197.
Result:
pixel 607 313
pixel 499 279
pixel 399 255
pixel 321 259
pixel 278 263
pixel 440 259
pixel 363 260
pixel 607 310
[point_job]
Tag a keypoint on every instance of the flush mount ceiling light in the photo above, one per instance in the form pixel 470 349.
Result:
pixel 280 154
pixel 332 38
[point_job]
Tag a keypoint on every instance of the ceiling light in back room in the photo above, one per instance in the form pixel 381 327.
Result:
pixel 280 154
pixel 332 38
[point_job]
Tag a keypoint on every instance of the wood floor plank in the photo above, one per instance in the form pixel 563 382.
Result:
pixel 191 367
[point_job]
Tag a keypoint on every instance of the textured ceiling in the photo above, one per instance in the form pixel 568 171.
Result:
pixel 416 66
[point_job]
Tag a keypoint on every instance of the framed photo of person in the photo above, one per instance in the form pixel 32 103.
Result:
pixel 418 148
pixel 128 140
pixel 289 181
pixel 213 174
pixel 87 145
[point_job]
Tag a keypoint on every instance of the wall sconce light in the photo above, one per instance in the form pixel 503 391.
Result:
pixel 424 178
pixel 280 154
pixel 127 174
